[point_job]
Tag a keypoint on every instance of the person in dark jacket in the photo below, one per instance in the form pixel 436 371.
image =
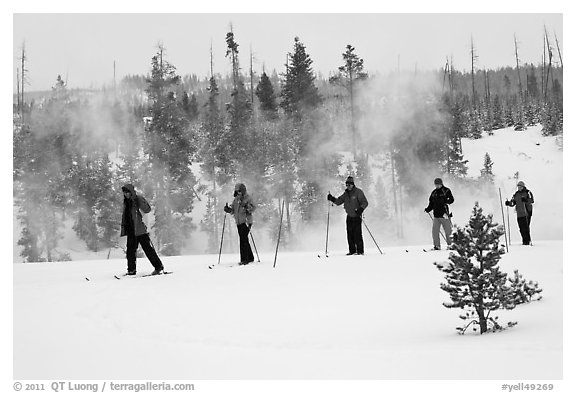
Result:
pixel 136 232
pixel 355 203
pixel 242 208
pixel 523 200
pixel 438 202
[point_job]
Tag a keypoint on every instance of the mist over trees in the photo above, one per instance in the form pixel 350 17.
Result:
pixel 184 141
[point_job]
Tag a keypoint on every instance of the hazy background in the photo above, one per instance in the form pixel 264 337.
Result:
pixel 83 47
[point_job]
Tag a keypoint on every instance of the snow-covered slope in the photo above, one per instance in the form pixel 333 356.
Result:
pixel 538 160
pixel 371 317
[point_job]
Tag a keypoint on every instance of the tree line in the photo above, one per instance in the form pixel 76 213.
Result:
pixel 181 139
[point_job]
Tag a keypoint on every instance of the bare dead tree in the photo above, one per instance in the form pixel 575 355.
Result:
pixel 486 86
pixel 473 60
pixel 446 70
pixel 23 79
pixel 18 89
pixel 518 69
pixel 559 52
pixel 251 76
pixel 211 61
pixel 543 65
pixel 549 70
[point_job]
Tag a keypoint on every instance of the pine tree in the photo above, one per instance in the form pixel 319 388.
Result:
pixel 299 93
pixel 239 109
pixel 473 278
pixel 524 292
pixel 169 145
pixel 486 172
pixel 348 75
pixel 475 130
pixel 498 113
pixel 266 96
pixel 519 120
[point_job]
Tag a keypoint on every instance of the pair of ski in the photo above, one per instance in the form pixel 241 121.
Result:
pixel 223 265
pixel 140 275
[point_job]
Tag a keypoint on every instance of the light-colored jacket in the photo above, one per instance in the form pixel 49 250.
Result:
pixel 242 209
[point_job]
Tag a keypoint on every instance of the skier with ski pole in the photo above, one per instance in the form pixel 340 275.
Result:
pixel 502 208
pixel 327 229
pixel 136 232
pixel 370 233
pixel 523 199
pixel 355 203
pixel 242 208
pixel 222 238
pixel 438 202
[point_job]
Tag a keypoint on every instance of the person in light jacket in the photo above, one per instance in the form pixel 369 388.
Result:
pixel 242 208
pixel 523 200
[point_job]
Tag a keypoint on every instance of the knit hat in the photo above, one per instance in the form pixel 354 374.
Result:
pixel 240 187
pixel 349 180
pixel 438 181
pixel 521 183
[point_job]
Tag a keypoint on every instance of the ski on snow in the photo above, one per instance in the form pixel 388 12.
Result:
pixel 139 275
pixel 223 265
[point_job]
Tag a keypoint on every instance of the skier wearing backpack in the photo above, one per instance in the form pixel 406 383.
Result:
pixel 438 202
pixel 136 232
pixel 355 203
pixel 523 200
pixel 242 208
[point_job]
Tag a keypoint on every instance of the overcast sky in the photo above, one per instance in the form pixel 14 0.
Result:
pixel 83 47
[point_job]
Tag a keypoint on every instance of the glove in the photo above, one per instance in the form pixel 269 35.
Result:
pixel 507 203
pixel 331 198
pixel 359 211
pixel 227 208
pixel 249 227
pixel 426 210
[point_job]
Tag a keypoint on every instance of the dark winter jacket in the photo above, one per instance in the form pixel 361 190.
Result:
pixel 242 209
pixel 523 201
pixel 354 201
pixel 439 200
pixel 132 214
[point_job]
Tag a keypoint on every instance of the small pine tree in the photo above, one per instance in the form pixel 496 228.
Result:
pixel 266 96
pixel 486 172
pixel 475 130
pixel 473 278
pixel 519 122
pixel 524 291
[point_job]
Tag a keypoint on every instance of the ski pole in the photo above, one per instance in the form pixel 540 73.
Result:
pixel 508 219
pixel 371 235
pixel 254 243
pixel 327 227
pixel 222 238
pixel 444 237
pixel 504 222
pixel 527 222
pixel 279 233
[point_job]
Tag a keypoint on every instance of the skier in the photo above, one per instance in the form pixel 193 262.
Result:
pixel 136 231
pixel 439 200
pixel 355 203
pixel 523 200
pixel 242 208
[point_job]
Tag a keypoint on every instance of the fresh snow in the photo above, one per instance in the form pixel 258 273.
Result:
pixel 361 317
pixel 371 317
